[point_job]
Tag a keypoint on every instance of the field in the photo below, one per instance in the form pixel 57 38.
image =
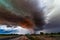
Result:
pixel 30 37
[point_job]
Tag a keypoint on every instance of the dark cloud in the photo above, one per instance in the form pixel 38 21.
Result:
pixel 32 8
pixel 29 8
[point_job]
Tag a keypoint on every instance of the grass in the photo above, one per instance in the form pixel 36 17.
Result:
pixel 7 35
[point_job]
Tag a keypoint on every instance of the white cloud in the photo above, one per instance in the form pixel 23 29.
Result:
pixel 19 30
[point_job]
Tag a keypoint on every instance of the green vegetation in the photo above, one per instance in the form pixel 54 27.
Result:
pixel 41 36
pixel 8 34
pixel 41 33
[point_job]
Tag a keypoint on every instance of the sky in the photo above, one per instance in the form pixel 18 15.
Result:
pixel 51 9
pixel 11 30
pixel 53 16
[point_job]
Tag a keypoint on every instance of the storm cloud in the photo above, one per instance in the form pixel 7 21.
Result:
pixel 26 13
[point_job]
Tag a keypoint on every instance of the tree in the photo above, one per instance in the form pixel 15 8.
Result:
pixel 46 33
pixel 41 33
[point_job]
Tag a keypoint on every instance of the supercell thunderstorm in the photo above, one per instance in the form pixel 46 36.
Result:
pixel 32 10
pixel 32 14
